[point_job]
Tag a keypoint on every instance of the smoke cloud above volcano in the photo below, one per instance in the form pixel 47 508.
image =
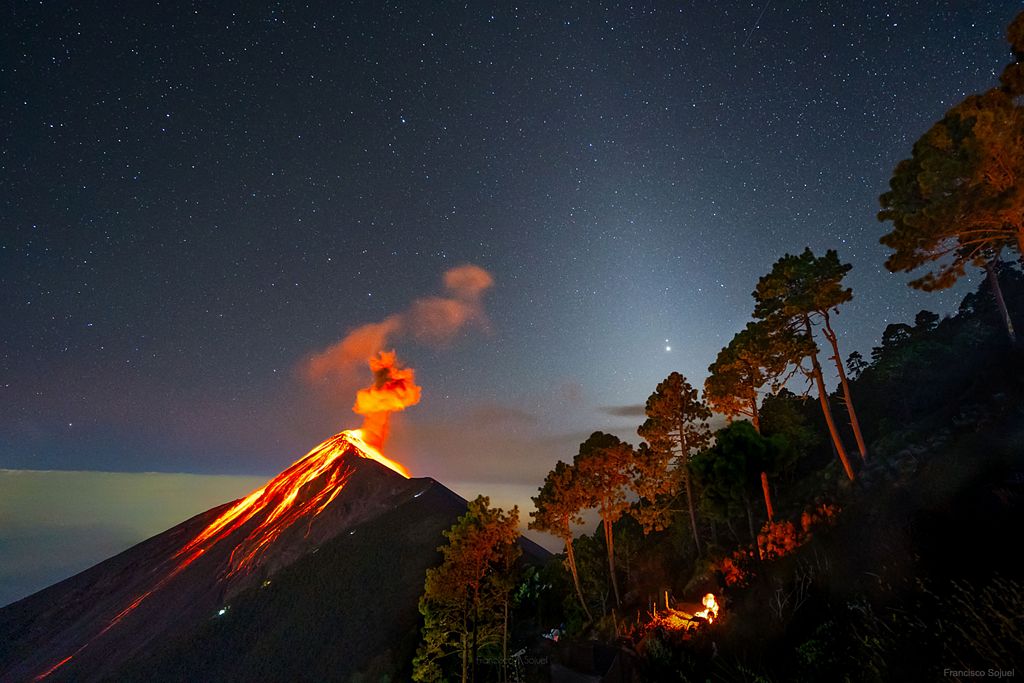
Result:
pixel 433 321
pixel 394 389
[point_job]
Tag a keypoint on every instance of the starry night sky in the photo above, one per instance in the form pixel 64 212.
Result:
pixel 194 200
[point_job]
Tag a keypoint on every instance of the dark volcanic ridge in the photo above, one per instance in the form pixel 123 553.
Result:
pixel 322 567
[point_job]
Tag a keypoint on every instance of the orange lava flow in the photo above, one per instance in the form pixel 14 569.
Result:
pixel 355 436
pixel 285 499
pixel 57 666
pixel 280 498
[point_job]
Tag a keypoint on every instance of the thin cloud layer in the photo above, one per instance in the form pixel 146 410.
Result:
pixel 637 410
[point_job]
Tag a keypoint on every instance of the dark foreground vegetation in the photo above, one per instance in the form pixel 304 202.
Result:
pixel 906 572
pixel 863 534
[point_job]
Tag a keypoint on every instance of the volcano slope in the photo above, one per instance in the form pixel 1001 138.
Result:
pixel 315 578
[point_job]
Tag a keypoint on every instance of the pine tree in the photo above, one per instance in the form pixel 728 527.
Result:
pixel 959 199
pixel 557 505
pixel 784 421
pixel 464 601
pixel 799 292
pixel 729 471
pixel 757 355
pixel 676 426
pixel 855 365
pixel 603 464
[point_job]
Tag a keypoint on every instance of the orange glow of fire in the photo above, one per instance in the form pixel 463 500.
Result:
pixel 710 611
pixel 678 620
pixel 671 619
pixel 355 437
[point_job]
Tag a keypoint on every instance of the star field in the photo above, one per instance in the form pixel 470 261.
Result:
pixel 194 199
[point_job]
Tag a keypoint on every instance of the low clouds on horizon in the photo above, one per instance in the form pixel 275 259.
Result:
pixel 57 523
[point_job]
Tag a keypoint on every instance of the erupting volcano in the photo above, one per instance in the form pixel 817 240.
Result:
pixel 93 625
pixel 292 495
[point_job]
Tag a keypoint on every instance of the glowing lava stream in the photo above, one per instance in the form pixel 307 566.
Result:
pixel 280 500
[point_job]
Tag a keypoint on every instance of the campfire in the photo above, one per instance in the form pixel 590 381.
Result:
pixel 680 620
pixel 710 611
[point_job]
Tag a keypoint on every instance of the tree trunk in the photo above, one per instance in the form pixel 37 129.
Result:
pixel 693 511
pixel 732 530
pixel 576 577
pixel 611 560
pixel 997 294
pixel 750 524
pixel 767 496
pixel 823 398
pixel 854 422
pixel 476 619
pixel 464 638
pixel 684 458
pixel 756 421
pixel 504 642
pixel 476 615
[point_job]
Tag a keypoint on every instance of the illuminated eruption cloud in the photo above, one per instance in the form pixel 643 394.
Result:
pixel 432 320
pixel 394 388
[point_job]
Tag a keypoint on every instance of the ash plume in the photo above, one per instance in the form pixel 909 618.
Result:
pixel 394 389
pixel 433 321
